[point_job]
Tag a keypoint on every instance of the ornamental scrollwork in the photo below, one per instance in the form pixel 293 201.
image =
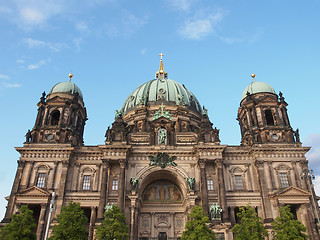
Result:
pixel 162 160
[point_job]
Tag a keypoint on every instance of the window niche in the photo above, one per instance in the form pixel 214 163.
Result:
pixel 238 179
pixel 283 175
pixel 210 184
pixel 269 117
pixel 162 136
pixel 54 117
pixel 42 173
pixel 87 175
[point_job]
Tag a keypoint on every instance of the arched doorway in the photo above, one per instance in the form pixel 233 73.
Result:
pixel 162 211
pixel 164 200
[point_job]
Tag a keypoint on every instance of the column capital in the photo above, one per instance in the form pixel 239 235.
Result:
pixel 123 163
pixel 202 163
pixel 105 162
pixel 259 163
pixel 21 163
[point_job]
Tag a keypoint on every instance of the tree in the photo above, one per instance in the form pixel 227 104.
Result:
pixel 286 228
pixel 22 226
pixel 251 226
pixel 72 224
pixel 196 227
pixel 113 226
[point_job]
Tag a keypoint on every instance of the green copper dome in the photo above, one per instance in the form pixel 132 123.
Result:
pixel 66 87
pixel 161 90
pixel 257 87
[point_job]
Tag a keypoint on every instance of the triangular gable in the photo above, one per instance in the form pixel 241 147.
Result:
pixel 34 191
pixel 291 192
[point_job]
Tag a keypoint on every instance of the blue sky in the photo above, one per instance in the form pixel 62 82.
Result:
pixel 112 46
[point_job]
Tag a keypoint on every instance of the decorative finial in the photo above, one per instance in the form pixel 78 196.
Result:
pixel 161 55
pixel 161 73
pixel 253 76
pixel 70 76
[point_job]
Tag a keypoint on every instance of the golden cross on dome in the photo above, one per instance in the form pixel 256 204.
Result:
pixel 161 55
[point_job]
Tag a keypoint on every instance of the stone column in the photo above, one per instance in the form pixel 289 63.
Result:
pixel 61 189
pixel 296 174
pixel 41 221
pixel 54 175
pixel 103 187
pixel 203 185
pixel 266 204
pixel 308 220
pixel 14 190
pixel 121 190
pixel 92 223
pixel 232 215
pixel 222 190
pixel 133 199
pixel 31 164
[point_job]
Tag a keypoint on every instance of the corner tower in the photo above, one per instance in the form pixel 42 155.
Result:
pixel 263 117
pixel 61 116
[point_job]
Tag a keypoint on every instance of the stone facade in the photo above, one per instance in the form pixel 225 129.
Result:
pixel 161 158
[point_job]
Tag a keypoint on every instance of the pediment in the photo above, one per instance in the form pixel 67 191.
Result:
pixel 162 119
pixel 291 192
pixel 34 192
pixel 56 99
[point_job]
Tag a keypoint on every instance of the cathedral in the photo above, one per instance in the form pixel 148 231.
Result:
pixel 161 157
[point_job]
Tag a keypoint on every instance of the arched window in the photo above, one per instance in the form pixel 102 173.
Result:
pixel 55 116
pixel 269 117
pixel 86 178
pixel 42 173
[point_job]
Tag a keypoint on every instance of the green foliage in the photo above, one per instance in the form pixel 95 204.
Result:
pixel 113 226
pixel 22 226
pixel 251 226
pixel 72 224
pixel 196 227
pixel 286 228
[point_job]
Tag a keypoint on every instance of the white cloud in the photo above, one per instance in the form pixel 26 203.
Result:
pixel 2 76
pixel 314 154
pixel 77 42
pixel 82 27
pixel 132 23
pixel 54 47
pixel 36 13
pixel 11 85
pixel 231 40
pixel 143 51
pixel 36 65
pixel 21 61
pixel 182 5
pixel 200 27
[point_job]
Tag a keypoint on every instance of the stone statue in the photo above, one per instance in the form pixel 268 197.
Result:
pixel 108 134
pixel 191 182
pixel 142 100
pixel 162 136
pixel 43 97
pixel 134 182
pixel 204 111
pixel 215 211
pixel 297 135
pixel 28 136
pixel 118 114
pixel 108 207
pixel 180 99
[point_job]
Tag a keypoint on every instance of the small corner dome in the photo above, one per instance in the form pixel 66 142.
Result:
pixel 66 87
pixel 257 87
